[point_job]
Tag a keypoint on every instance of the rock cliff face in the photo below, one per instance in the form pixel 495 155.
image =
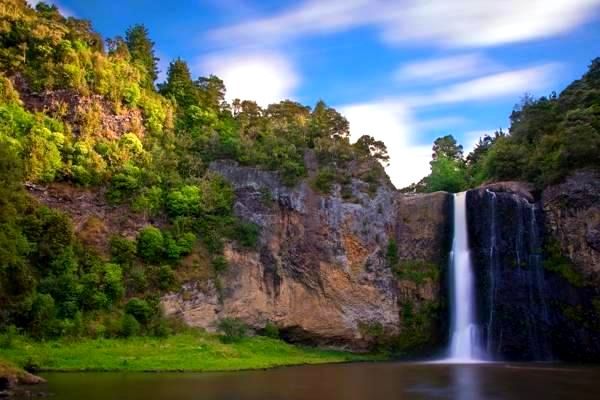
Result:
pixel 572 211
pixel 320 272
pixel 537 269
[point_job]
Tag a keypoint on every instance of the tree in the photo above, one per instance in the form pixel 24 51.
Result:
pixel 179 84
pixel 482 147
pixel 446 174
pixel 327 122
pixel 447 147
pixel 141 49
pixel 374 148
pixel 211 92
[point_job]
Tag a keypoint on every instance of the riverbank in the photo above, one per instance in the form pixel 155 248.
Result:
pixel 11 377
pixel 183 352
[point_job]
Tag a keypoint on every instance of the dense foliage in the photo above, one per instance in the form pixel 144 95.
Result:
pixel 549 138
pixel 87 112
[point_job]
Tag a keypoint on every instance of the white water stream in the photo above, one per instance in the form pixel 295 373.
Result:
pixel 464 346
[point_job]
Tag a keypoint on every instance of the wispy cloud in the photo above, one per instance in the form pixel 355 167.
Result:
pixel 508 83
pixel 393 119
pixel 265 77
pixel 445 68
pixel 458 23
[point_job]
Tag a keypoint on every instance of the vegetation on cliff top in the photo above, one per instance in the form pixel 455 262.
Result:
pixel 549 138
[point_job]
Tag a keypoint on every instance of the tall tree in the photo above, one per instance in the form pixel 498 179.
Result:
pixel 211 91
pixel 179 84
pixel 327 122
pixel 141 49
pixel 447 146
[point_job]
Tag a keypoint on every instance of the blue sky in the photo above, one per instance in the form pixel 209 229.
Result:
pixel 404 71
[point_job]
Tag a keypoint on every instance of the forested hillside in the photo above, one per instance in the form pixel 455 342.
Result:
pixel 87 113
pixel 548 139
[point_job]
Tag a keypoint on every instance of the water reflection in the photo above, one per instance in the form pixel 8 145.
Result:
pixel 467 382
pixel 336 382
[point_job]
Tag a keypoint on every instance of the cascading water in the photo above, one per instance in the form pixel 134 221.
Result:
pixel 464 346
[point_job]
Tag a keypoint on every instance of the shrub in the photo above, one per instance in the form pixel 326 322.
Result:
pixel 417 271
pixel 186 242
pixel 220 264
pixel 233 330
pixel 324 180
pixel 391 253
pixel 184 202
pixel 129 326
pixel 122 250
pixel 7 339
pixel 247 234
pixel 150 243
pixel 165 277
pixel 139 309
pixel 270 330
pixel 137 281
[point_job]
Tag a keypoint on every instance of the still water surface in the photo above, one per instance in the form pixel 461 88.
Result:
pixel 332 382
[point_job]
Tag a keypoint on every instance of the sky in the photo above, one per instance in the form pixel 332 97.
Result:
pixel 403 71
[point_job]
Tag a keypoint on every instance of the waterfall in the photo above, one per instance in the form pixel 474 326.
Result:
pixel 464 346
pixel 512 314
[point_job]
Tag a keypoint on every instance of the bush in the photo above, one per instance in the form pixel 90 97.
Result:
pixel 150 243
pixel 220 264
pixel 129 326
pixel 270 330
pixel 122 250
pixel 247 234
pixel 165 277
pixel 233 330
pixel 7 339
pixel 184 202
pixel 139 309
pixel 324 180
pixel 391 253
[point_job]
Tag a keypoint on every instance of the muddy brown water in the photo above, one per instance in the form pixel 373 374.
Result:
pixel 358 381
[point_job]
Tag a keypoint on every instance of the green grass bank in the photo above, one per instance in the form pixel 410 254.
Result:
pixel 183 352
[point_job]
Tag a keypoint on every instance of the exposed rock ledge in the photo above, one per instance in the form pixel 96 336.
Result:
pixel 320 270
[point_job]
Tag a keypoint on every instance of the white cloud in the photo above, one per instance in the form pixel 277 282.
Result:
pixel 446 68
pixel 475 23
pixel 458 23
pixel 439 122
pixel 265 77
pixel 508 83
pixel 313 16
pixel 391 122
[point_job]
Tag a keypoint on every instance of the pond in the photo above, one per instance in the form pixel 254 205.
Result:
pixel 357 381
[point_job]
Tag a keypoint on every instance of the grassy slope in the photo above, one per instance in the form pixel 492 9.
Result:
pixel 183 352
